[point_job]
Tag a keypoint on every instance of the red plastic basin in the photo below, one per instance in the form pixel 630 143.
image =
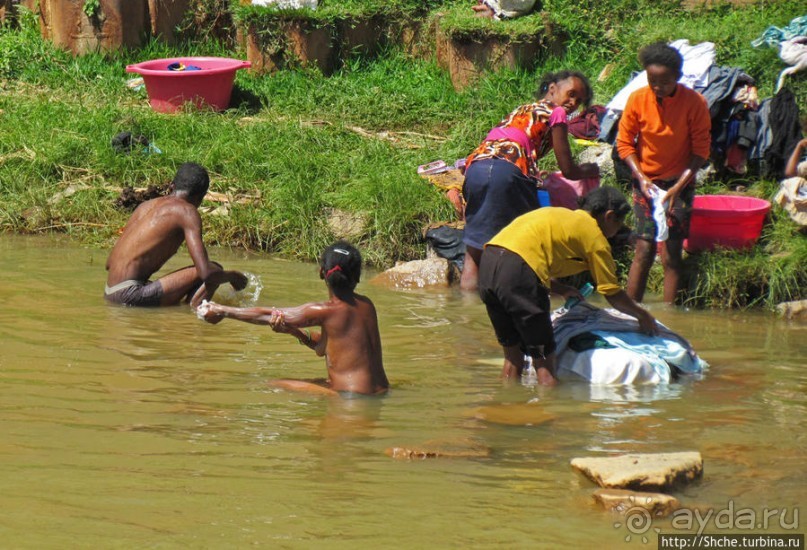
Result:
pixel 725 221
pixel 209 87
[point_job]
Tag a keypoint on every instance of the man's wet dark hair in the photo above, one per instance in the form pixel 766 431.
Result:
pixel 660 53
pixel 192 179
pixel 340 266
pixel 554 78
pixel 602 199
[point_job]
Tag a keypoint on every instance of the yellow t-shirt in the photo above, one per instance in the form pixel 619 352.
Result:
pixel 558 242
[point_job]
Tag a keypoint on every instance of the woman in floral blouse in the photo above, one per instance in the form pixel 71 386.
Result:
pixel 501 174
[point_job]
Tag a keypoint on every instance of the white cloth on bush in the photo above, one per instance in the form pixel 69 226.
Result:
pixel 508 9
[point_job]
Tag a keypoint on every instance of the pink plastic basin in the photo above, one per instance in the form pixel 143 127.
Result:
pixel 209 87
pixel 725 221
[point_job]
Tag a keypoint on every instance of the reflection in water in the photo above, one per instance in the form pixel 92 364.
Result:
pixel 151 428
pixel 647 393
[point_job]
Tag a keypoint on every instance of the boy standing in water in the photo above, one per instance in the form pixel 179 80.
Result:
pixel 520 266
pixel 349 339
pixel 152 236
pixel 665 138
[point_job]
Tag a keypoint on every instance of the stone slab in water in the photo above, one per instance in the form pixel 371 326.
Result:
pixel 440 449
pixel 642 472
pixel 514 414
pixel 435 272
pixel 626 502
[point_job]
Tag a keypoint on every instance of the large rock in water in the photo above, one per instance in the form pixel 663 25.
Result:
pixel 793 310
pixel 642 472
pixel 434 272
pixel 625 502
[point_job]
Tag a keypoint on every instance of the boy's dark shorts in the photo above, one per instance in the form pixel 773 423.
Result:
pixel 678 221
pixel 517 302
pixel 135 293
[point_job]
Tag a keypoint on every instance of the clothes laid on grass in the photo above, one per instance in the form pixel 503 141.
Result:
pixel 509 9
pixel 786 131
pixel 664 134
pixel 792 196
pixel 772 36
pixel 617 352
pixel 794 53
pixel 764 137
pixel 723 83
pixel 558 242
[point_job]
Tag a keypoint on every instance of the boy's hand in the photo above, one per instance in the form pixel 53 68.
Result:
pixel 210 312
pixel 238 280
pixel 278 322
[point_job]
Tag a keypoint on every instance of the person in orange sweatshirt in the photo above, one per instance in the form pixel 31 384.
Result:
pixel 664 137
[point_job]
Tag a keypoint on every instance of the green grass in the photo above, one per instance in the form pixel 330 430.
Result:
pixel 306 143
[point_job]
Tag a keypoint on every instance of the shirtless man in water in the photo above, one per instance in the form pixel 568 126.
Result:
pixel 349 340
pixel 152 235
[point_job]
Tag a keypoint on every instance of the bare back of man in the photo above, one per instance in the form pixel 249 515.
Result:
pixel 151 237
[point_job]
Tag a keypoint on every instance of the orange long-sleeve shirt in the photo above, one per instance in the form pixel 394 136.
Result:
pixel 665 135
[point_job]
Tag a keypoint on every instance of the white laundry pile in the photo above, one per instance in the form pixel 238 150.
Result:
pixel 794 53
pixel 508 9
pixel 604 346
pixel 792 196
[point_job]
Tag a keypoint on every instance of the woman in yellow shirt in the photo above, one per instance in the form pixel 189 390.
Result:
pixel 520 265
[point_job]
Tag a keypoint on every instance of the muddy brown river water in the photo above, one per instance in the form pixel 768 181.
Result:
pixel 151 429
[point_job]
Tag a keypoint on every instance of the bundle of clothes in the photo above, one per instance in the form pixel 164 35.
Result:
pixel 745 130
pixel 792 196
pixel 606 347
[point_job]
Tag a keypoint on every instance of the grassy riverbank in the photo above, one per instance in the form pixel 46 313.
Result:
pixel 298 144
